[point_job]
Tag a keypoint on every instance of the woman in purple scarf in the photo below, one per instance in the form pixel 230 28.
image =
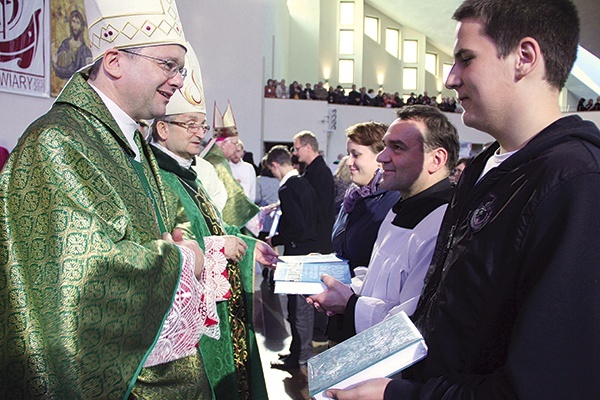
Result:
pixel 365 205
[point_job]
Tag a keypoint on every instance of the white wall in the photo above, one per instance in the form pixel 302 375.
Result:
pixel 16 113
pixel 229 39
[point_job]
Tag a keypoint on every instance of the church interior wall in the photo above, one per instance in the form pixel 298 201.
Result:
pixel 233 42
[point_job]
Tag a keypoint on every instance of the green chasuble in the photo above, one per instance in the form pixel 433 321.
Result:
pixel 232 362
pixel 85 281
pixel 238 209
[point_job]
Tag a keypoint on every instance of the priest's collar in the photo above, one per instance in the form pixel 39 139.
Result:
pixel 413 210
pixel 184 162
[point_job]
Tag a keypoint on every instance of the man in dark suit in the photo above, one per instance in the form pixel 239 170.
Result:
pixel 308 93
pixel 297 232
pixel 354 96
pixel 306 147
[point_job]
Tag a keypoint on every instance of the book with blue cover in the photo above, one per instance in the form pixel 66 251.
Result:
pixel 379 351
pixel 302 274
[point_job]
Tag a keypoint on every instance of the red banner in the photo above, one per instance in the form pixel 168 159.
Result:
pixel 23 47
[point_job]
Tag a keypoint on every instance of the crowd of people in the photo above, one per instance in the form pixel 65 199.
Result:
pixel 360 97
pixel 582 105
pixel 127 262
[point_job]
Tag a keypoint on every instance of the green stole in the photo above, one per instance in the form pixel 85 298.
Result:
pixel 233 362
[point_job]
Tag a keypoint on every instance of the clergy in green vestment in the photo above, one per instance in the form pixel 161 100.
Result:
pixel 99 270
pixel 231 357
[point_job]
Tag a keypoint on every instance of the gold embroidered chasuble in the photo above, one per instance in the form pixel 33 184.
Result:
pixel 85 282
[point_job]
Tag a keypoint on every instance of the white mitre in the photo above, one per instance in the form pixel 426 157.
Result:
pixel 132 23
pixel 190 98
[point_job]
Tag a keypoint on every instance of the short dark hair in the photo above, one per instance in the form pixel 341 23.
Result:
pixel 279 154
pixel 440 131
pixel 95 69
pixel 368 134
pixel 464 160
pixel 307 138
pixel 554 24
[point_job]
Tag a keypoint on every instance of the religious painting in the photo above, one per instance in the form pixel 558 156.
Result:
pixel 70 46
pixel 24 25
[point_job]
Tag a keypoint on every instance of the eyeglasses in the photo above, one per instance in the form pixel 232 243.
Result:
pixel 191 127
pixel 169 67
pixel 295 149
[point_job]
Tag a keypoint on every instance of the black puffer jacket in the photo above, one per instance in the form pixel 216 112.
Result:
pixel 511 307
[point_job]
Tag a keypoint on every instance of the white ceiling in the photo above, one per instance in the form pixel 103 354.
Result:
pixel 434 19
pixel 431 17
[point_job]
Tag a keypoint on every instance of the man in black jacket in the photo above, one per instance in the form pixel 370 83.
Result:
pixel 306 147
pixel 510 307
pixel 297 232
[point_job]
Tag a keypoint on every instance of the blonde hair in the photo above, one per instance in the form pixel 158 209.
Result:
pixel 343 172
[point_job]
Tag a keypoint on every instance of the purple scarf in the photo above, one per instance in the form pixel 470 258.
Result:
pixel 356 193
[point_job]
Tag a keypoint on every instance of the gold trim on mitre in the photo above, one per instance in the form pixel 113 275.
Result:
pixel 224 124
pixel 132 23
pixel 190 98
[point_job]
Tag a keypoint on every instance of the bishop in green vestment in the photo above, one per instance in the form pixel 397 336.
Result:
pixel 86 279
pixel 239 209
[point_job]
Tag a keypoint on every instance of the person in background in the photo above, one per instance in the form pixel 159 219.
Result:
pixel 297 232
pixel 510 308
pixel 320 91
pixel 307 93
pixel 295 90
pixel 270 89
pixel 243 171
pixel 297 164
pixel 342 179
pixel 212 184
pixel 354 96
pixel 239 209
pixel 282 91
pixel 589 105
pixel 398 100
pixel 266 194
pixel 318 174
pixel 457 171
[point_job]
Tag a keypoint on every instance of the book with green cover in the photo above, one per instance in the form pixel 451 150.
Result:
pixel 381 350
pixel 302 274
